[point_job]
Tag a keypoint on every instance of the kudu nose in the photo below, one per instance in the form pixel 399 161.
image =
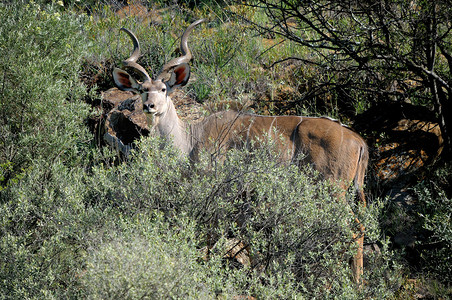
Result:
pixel 148 107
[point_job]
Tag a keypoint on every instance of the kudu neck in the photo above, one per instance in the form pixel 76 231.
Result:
pixel 170 127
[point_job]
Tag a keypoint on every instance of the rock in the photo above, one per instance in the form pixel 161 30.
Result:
pixel 238 250
pixel 406 138
pixel 125 120
pixel 418 143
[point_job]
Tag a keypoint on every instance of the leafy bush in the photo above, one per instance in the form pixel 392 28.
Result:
pixel 146 258
pixel 43 223
pixel 44 147
pixel 298 233
pixel 435 211
pixel 131 230
pixel 41 113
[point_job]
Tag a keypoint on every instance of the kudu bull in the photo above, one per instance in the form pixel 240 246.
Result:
pixel 338 153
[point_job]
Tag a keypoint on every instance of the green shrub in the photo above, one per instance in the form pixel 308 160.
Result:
pixel 130 231
pixel 43 226
pixel 299 234
pixel 146 258
pixel 41 112
pixel 435 211
pixel 44 146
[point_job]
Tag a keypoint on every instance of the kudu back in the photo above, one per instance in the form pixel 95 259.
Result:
pixel 337 152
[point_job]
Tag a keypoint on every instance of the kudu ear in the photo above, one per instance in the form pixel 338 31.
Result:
pixel 179 76
pixel 125 81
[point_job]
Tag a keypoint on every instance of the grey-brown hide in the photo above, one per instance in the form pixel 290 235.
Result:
pixel 334 150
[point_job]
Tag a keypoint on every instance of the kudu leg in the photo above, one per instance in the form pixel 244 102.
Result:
pixel 357 262
pixel 358 237
pixel 357 266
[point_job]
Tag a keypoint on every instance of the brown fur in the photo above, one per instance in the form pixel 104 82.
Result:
pixel 335 151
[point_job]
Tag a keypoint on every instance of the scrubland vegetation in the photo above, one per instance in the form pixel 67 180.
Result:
pixel 79 221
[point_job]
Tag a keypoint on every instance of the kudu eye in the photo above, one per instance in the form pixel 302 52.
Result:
pixel 163 90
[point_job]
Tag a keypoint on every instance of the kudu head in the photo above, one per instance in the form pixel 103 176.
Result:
pixel 155 93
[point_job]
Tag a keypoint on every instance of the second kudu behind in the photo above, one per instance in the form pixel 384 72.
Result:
pixel 338 153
